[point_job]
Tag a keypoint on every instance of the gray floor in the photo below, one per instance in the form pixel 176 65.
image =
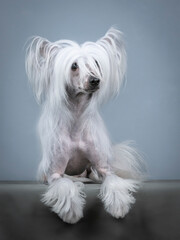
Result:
pixel 155 215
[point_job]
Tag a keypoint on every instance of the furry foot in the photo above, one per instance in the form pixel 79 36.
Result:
pixel 66 199
pixel 116 195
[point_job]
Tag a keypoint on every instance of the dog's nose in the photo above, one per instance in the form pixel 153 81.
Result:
pixel 93 81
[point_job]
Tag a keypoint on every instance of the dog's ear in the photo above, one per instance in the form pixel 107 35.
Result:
pixel 113 44
pixel 39 57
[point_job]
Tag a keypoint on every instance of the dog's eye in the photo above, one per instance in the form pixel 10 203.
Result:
pixel 74 66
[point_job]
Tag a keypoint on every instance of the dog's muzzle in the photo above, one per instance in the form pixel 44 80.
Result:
pixel 93 83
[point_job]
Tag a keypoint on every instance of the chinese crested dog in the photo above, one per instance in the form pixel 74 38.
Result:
pixel 71 81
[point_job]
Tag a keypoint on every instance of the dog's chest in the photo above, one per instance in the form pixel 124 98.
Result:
pixel 78 159
pixel 77 164
pixel 77 140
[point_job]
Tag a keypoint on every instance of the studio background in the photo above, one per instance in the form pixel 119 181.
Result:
pixel 147 108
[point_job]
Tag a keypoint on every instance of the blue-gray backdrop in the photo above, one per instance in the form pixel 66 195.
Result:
pixel 147 109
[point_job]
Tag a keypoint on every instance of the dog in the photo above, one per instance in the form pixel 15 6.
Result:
pixel 71 81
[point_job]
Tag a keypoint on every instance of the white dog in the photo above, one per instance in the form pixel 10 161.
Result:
pixel 72 81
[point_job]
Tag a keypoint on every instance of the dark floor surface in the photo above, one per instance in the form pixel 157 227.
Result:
pixel 154 216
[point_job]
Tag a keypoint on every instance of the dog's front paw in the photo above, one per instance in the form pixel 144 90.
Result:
pixel 116 194
pixel 72 210
pixel 66 199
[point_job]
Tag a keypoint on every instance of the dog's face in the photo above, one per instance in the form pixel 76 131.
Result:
pixel 93 67
pixel 84 78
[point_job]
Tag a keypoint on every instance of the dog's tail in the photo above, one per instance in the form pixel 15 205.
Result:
pixel 128 162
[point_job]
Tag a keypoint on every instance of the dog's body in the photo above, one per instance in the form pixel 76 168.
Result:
pixel 72 81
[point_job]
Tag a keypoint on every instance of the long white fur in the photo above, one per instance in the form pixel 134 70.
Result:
pixel 48 68
pixel 128 162
pixel 66 199
pixel 116 193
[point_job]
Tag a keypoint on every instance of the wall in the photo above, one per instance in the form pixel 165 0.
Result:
pixel 147 109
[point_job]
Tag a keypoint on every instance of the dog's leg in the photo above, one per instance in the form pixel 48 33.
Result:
pixel 65 197
pixel 115 192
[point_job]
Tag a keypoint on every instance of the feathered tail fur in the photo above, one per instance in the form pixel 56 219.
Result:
pixel 127 162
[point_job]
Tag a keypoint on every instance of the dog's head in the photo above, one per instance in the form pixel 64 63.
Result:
pixel 95 68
